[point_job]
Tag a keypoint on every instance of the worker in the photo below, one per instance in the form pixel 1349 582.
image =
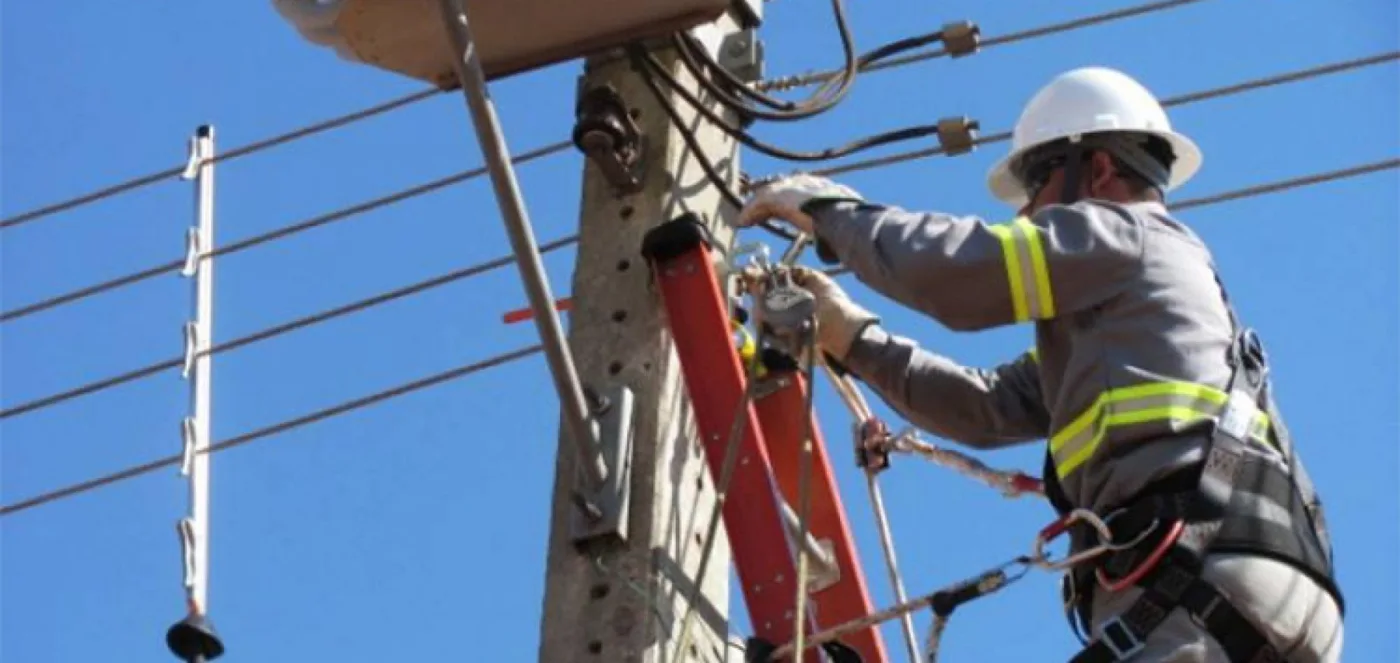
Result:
pixel 1140 373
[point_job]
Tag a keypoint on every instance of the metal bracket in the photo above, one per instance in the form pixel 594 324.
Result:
pixel 961 38
pixel 957 135
pixel 612 500
pixel 605 132
pixel 824 570
pixel 741 54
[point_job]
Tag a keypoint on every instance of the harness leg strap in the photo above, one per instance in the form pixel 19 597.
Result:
pixel 1170 585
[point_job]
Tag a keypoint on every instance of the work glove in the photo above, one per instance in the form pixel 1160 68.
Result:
pixel 839 320
pixel 788 198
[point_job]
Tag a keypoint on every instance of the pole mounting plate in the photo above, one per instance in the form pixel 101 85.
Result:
pixel 613 499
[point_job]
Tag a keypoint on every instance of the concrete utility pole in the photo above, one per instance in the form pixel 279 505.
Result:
pixel 624 601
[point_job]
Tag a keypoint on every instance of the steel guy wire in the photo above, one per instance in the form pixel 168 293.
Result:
pixel 280 233
pixel 278 330
pixel 267 431
pixel 803 80
pixel 250 148
pixel 1178 100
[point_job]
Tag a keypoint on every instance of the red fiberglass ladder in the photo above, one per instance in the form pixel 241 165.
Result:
pixel 765 473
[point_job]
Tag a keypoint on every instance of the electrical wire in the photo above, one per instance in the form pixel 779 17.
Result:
pixel 818 103
pixel 637 55
pixel 692 54
pixel 1179 100
pixel 174 265
pixel 1258 190
pixel 674 84
pixel 268 431
pixel 280 233
pixel 803 80
pixel 244 150
pixel 278 330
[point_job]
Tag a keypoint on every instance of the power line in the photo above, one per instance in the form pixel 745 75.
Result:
pixel 278 330
pixel 267 431
pixel 803 80
pixel 1238 88
pixel 515 355
pixel 280 233
pixel 257 146
pixel 1179 100
pixel 1257 190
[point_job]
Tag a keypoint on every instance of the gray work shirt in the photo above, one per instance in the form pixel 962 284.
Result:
pixel 1131 334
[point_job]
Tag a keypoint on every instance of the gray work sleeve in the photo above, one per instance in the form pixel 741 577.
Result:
pixel 968 274
pixel 983 409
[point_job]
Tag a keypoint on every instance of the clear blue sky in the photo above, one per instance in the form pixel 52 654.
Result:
pixel 345 539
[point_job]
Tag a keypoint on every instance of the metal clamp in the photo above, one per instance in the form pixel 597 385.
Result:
pixel 957 135
pixel 961 38
pixel 192 250
pixel 872 444
pixel 187 547
pixel 191 333
pixel 188 436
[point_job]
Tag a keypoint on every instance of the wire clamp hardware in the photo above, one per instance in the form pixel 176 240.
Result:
pixel 192 251
pixel 961 38
pixel 957 135
pixel 191 344
pixel 187 438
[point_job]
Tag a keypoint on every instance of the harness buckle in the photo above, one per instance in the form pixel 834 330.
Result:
pixel 1120 639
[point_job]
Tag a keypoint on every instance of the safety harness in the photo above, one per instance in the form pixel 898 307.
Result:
pixel 1228 503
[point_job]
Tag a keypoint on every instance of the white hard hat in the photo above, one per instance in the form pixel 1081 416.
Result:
pixel 1083 101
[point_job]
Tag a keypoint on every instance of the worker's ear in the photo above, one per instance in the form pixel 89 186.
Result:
pixel 1102 172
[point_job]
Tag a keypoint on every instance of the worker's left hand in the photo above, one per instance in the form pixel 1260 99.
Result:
pixel 839 320
pixel 786 198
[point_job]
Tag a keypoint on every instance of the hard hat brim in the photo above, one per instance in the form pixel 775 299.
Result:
pixel 1007 188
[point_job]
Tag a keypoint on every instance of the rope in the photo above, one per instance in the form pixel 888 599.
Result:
pixel 257 146
pixel 268 431
pixel 280 233
pixel 803 80
pixel 1179 100
pixel 278 330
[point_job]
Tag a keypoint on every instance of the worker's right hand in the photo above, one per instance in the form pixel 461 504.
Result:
pixel 839 320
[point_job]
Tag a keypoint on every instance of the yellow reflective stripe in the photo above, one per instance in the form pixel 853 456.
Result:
pixel 1034 352
pixel 1026 271
pixel 1013 271
pixel 1040 272
pixel 1176 402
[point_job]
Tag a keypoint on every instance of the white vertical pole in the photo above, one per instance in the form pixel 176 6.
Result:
pixel 193 638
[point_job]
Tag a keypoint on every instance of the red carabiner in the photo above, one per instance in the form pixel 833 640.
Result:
pixel 1136 574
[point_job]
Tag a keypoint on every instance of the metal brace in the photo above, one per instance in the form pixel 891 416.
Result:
pixel 187 438
pixel 192 248
pixel 957 135
pixel 612 500
pixel 961 38
pixel 605 132
pixel 741 54
pixel 191 342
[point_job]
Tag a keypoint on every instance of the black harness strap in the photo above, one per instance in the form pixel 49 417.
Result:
pixel 1171 584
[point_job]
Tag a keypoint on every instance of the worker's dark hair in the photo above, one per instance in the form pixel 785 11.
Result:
pixel 1139 185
